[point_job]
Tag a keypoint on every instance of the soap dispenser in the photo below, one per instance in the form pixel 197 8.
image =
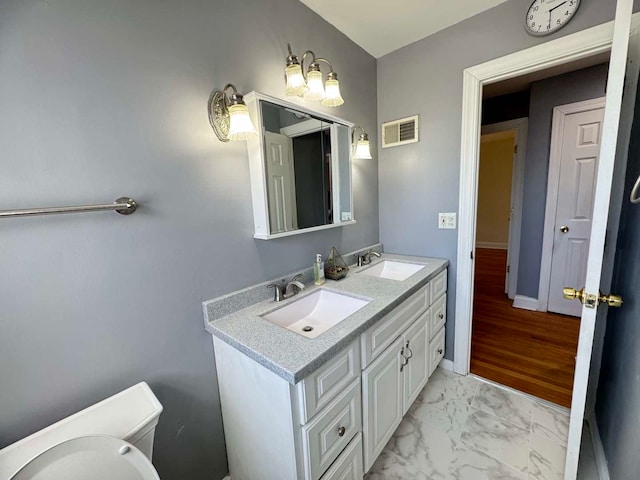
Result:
pixel 318 270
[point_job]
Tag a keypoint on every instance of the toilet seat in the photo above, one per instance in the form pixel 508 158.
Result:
pixel 97 457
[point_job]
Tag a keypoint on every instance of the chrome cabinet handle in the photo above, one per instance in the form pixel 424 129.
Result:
pixel 405 360
pixel 564 229
pixel 441 316
pixel 341 431
pixel 410 352
pixel 440 351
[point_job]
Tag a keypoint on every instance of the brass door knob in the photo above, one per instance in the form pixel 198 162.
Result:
pixel 564 229
pixel 572 294
pixel 611 300
pixel 341 431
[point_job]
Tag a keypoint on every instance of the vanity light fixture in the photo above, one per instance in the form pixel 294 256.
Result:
pixel 309 85
pixel 361 149
pixel 229 115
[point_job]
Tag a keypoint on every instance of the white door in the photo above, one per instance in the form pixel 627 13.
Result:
pixel 416 372
pixel 599 260
pixel 575 145
pixel 281 187
pixel 382 401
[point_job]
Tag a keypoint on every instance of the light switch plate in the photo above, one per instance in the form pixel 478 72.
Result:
pixel 447 221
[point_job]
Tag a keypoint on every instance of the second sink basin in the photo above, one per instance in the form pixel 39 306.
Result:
pixel 393 270
pixel 316 313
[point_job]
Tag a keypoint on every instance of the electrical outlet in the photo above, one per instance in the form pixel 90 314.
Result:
pixel 345 216
pixel 447 221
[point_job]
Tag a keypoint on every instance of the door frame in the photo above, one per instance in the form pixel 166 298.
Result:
pixel 553 185
pixel 520 126
pixel 583 44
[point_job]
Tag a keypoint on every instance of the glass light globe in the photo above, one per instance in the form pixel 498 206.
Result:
pixel 314 83
pixel 362 150
pixel 296 86
pixel 240 125
pixel 332 93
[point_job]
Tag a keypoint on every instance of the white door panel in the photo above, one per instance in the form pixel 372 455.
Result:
pixel 382 401
pixel 581 135
pixel 281 183
pixel 613 126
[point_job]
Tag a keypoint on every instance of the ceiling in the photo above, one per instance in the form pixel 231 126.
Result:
pixel 380 27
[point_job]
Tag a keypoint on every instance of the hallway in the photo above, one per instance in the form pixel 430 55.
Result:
pixel 533 352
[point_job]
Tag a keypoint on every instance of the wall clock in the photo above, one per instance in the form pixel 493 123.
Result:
pixel 545 17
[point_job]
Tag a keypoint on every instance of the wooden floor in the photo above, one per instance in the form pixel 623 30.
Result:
pixel 533 352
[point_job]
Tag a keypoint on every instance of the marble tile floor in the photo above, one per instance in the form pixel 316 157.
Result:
pixel 465 429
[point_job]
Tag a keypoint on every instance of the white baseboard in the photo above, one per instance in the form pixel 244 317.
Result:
pixel 526 303
pixel 446 364
pixel 492 245
pixel 598 449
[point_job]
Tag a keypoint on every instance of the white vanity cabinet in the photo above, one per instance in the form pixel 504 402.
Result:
pixel 395 376
pixel 333 424
pixel 275 430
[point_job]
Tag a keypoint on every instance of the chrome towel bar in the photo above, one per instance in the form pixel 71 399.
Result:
pixel 122 205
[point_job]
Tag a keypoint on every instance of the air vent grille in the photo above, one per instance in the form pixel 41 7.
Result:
pixel 400 132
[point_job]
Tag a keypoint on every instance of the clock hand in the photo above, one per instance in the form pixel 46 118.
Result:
pixel 557 6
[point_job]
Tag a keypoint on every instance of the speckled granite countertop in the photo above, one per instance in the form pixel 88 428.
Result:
pixel 292 356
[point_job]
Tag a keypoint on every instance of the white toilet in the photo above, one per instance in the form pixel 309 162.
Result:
pixel 112 440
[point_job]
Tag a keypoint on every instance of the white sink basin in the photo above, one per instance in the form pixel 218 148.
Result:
pixel 393 270
pixel 316 313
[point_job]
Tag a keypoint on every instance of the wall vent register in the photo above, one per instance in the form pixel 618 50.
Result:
pixel 400 132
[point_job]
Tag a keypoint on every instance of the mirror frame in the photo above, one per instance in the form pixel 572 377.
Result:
pixel 258 173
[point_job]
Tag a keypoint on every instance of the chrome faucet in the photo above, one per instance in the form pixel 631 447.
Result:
pixel 292 285
pixel 366 258
pixel 288 290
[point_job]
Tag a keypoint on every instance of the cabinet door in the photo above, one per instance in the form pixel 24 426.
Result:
pixel 416 349
pixel 383 393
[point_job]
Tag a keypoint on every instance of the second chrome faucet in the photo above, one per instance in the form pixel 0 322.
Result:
pixel 366 258
pixel 287 290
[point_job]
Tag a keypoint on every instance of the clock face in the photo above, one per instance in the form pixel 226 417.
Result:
pixel 545 17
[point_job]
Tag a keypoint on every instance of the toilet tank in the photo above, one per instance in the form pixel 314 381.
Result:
pixel 131 415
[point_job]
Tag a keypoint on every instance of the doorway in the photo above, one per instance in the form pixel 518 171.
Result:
pixel 514 342
pixel 616 128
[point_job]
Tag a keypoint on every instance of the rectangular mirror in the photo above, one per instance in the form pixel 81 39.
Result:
pixel 300 169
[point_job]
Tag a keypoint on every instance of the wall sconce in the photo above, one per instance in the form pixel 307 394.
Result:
pixel 229 115
pixel 361 149
pixel 309 85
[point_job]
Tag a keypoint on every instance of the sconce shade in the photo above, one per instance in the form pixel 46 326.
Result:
pixel 362 148
pixel 296 85
pixel 332 92
pixel 229 116
pixel 314 84
pixel 240 125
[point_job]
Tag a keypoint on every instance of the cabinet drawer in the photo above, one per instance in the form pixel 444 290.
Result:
pixel 348 466
pixel 438 314
pixel 382 334
pixel 436 350
pixel 319 388
pixel 438 285
pixel 331 430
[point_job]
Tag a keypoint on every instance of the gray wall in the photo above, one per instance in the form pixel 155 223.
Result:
pixel 546 94
pixel 101 99
pixel 618 398
pixel 419 180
